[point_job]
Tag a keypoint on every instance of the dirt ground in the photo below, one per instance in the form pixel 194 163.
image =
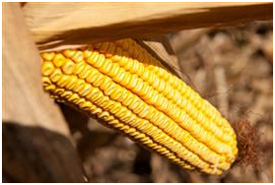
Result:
pixel 232 68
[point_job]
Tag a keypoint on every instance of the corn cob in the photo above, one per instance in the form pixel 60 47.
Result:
pixel 121 84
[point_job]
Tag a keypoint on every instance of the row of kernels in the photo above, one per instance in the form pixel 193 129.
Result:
pixel 151 97
pixel 184 89
pixel 133 108
pixel 155 82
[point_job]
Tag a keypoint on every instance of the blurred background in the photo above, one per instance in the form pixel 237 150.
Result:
pixel 230 67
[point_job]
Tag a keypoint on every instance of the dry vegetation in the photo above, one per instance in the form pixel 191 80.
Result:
pixel 232 68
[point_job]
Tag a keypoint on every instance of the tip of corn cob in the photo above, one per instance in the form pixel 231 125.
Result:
pixel 121 84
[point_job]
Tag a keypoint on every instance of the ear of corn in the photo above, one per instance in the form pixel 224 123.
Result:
pixel 122 85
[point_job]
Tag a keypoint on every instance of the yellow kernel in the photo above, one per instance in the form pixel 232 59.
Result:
pixel 59 91
pixel 78 56
pixel 48 55
pixel 63 81
pixel 68 67
pixel 73 98
pixel 87 53
pixel 120 76
pixel 106 66
pixel 85 72
pixel 127 79
pixel 69 52
pixel 80 84
pixel 87 88
pixel 93 58
pixel 124 61
pixel 46 81
pixel 92 75
pixel 105 84
pixel 66 94
pixel 59 60
pixel 80 101
pixel 86 105
pixel 114 70
pixel 100 61
pixel 56 75
pixel 98 80
pixel 129 65
pixel 50 87
pixel 109 88
pixel 79 67
pixel 133 81
pixel 72 82
pixel 96 111
pixel 47 68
